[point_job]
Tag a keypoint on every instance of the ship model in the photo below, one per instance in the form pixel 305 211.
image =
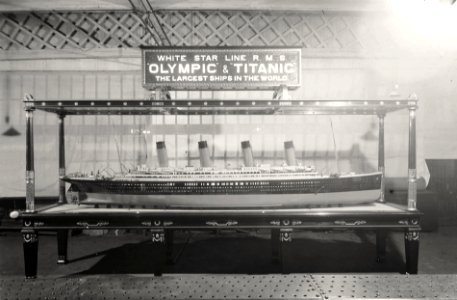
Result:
pixel 251 186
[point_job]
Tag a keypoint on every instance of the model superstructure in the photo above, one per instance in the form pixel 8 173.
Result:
pixel 251 186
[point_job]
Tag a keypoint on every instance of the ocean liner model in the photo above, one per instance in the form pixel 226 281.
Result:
pixel 251 186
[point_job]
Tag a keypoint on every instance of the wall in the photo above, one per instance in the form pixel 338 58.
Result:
pixel 345 56
pixel 97 143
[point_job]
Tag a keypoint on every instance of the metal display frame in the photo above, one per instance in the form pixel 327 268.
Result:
pixel 162 222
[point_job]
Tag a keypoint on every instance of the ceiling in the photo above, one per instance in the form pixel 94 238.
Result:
pixel 285 5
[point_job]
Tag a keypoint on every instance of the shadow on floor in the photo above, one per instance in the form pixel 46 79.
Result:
pixel 234 254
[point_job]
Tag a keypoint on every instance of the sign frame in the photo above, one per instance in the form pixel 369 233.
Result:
pixel 244 85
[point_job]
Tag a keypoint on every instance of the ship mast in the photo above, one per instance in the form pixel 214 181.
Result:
pixel 335 150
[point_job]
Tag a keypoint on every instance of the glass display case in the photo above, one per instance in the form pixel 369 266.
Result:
pixel 283 215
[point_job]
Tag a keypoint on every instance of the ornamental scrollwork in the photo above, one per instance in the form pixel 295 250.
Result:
pixel 285 236
pixel 158 237
pixel 226 224
pixel 30 237
pixel 355 223
pixel 296 222
pixel 156 223
pixel 412 236
pixel 89 225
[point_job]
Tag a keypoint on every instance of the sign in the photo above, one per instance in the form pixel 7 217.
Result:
pixel 221 68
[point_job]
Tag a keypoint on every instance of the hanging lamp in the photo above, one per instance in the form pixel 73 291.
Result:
pixel 11 131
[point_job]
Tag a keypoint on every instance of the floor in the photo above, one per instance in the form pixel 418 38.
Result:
pixel 230 252
pixel 247 287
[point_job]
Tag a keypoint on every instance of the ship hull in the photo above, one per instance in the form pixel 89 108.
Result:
pixel 232 193
pixel 235 201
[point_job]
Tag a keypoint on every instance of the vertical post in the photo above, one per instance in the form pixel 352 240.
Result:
pixel 412 184
pixel 30 246
pixel 412 251
pixel 412 236
pixel 62 244
pixel 29 162
pixel 276 246
pixel 381 167
pixel 158 240
pixel 169 245
pixel 62 199
pixel 29 235
pixel 381 236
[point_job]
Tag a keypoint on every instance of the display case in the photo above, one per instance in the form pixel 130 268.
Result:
pixel 379 217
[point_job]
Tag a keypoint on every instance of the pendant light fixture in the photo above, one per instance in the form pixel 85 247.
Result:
pixel 11 131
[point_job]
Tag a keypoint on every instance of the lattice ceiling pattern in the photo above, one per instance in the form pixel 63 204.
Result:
pixel 260 29
pixel 87 30
pixel 72 30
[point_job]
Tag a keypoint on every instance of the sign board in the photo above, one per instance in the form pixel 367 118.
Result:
pixel 221 68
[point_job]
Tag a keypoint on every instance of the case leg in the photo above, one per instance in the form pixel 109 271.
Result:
pixel 285 236
pixel 381 236
pixel 169 246
pixel 412 251
pixel 30 245
pixel 62 244
pixel 278 237
pixel 158 239
pixel 276 247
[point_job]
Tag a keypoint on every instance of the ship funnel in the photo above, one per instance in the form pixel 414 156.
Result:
pixel 247 154
pixel 142 152
pixel 289 151
pixel 205 161
pixel 162 154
